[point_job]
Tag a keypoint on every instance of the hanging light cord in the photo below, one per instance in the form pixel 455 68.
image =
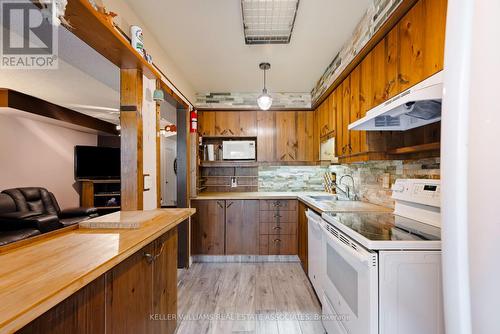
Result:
pixel 265 80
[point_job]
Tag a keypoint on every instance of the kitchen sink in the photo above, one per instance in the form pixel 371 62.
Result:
pixel 328 198
pixel 323 197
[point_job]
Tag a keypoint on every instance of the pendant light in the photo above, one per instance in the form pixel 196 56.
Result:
pixel 264 100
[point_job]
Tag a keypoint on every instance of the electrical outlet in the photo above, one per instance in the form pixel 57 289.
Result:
pixel 386 181
pixel 234 183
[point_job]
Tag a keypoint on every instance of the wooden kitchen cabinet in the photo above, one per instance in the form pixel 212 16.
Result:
pixel 144 284
pixel 411 52
pixel 248 124
pixel 305 136
pixel 206 123
pixel 266 136
pixel 286 136
pixel 278 227
pixel 130 280
pixel 122 299
pixel 339 121
pixel 421 37
pixel 227 123
pixel 165 281
pixel 378 74
pixel 242 227
pixel 208 227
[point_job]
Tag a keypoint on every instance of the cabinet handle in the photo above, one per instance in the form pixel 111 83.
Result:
pixel 343 149
pixel 231 131
pixel 277 240
pixel 350 148
pixel 160 252
pixel 220 205
pixel 149 258
pixel 229 205
pixel 277 215
pixel 277 228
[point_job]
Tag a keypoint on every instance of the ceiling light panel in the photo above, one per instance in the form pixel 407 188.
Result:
pixel 268 21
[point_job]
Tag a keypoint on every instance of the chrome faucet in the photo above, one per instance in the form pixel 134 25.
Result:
pixel 347 191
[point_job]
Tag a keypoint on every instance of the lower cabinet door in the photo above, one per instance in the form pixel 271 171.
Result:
pixel 242 227
pixel 208 225
pixel 165 283
pixel 129 289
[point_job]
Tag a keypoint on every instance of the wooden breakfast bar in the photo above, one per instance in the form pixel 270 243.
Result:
pixel 95 280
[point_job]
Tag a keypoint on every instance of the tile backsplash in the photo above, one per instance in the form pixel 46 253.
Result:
pixel 368 177
pixel 291 178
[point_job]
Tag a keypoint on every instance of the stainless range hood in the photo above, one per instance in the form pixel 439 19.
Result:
pixel 417 106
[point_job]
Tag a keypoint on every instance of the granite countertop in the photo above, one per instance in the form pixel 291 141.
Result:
pixel 334 206
pixel 38 275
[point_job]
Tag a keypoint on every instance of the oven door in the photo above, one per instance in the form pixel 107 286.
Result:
pixel 350 282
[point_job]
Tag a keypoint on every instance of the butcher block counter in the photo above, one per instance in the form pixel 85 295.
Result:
pixel 94 280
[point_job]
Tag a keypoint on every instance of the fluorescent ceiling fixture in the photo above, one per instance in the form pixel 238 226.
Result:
pixel 268 21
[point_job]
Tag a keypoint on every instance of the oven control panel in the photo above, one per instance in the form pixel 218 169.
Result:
pixel 420 191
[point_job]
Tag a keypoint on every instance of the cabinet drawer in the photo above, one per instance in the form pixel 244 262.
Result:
pixel 273 228
pixel 282 244
pixel 278 204
pixel 282 216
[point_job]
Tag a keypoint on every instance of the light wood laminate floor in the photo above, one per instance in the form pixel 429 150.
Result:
pixel 264 298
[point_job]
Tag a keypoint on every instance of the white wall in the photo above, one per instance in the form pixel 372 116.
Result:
pixel 149 142
pixel 33 153
pixel 126 17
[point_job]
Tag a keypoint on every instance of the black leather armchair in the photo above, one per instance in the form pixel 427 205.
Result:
pixel 41 200
pixel 33 210
pixel 11 226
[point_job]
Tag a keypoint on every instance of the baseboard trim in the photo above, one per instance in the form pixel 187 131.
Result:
pixel 244 258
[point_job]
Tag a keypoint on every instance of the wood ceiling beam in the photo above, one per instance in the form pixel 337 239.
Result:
pixel 16 100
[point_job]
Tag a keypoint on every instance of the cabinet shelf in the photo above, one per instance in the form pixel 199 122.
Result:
pixel 107 194
pixel 416 148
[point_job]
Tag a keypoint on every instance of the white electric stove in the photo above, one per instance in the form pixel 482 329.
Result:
pixel 382 271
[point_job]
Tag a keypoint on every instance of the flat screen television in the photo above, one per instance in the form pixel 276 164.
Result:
pixel 93 162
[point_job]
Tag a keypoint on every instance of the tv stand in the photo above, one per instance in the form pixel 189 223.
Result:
pixel 103 194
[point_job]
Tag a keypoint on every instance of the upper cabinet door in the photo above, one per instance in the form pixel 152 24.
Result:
pixel 339 131
pixel 206 123
pixel 411 38
pixel 391 63
pixel 286 136
pixel 355 111
pixel 266 136
pixel 227 123
pixel 378 77
pixel 248 123
pixel 305 136
pixel 421 38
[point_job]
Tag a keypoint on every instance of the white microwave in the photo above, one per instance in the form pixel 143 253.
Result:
pixel 238 150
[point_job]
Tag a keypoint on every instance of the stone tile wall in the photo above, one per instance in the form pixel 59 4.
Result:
pixel 291 178
pixel 368 177
pixel 249 100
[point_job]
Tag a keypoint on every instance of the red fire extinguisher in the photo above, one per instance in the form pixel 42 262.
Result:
pixel 194 120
